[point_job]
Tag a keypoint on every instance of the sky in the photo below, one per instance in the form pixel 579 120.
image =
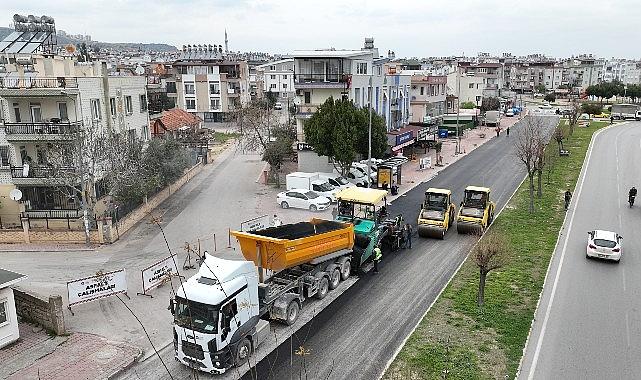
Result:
pixel 559 28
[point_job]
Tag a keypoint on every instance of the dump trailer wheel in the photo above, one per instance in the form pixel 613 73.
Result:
pixel 323 288
pixel 293 309
pixel 334 279
pixel 346 270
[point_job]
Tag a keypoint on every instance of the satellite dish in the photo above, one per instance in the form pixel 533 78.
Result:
pixel 140 70
pixel 15 194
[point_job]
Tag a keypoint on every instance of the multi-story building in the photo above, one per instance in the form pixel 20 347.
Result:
pixel 277 77
pixel 209 84
pixel 583 71
pixel 465 87
pixel 427 97
pixel 44 101
pixel 395 103
pixel 623 70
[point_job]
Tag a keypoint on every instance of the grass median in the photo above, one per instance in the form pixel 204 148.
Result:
pixel 459 340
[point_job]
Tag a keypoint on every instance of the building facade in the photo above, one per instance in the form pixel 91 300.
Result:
pixel 427 97
pixel 277 77
pixel 208 84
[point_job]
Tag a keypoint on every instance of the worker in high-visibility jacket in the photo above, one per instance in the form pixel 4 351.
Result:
pixel 378 255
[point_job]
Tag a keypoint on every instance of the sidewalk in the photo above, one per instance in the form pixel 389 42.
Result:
pixel 37 355
pixel 471 139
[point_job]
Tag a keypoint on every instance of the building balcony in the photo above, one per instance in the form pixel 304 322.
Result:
pixel 233 92
pixel 21 87
pixel 40 175
pixel 40 131
pixel 322 80
pixel 305 111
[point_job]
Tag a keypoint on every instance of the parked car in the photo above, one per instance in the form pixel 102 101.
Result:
pixel 278 106
pixel 545 106
pixel 601 116
pixel 357 177
pixel 604 245
pixel 509 112
pixel 302 198
pixel 363 169
pixel 336 180
pixel 584 116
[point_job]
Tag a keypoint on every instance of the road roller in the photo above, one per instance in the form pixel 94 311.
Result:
pixel 476 211
pixel 437 213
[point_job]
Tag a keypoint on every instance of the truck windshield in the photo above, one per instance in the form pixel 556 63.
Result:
pixel 475 199
pixel 196 316
pixel 436 202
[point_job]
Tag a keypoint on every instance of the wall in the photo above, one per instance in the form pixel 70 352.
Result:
pixel 133 86
pixel 310 162
pixel 9 332
pixel 47 313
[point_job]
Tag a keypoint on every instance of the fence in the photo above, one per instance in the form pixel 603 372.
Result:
pixel 47 313
pixel 23 83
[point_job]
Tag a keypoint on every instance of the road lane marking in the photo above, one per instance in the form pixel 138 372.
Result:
pixel 623 277
pixel 627 328
pixel 574 201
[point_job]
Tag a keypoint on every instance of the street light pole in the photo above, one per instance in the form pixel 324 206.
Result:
pixel 458 110
pixel 369 140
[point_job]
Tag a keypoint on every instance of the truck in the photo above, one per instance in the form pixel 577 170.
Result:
pixel 492 118
pixel 625 111
pixel 310 181
pixel 222 313
pixel 437 213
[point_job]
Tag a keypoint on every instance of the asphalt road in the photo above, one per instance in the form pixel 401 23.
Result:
pixel 588 324
pixel 357 335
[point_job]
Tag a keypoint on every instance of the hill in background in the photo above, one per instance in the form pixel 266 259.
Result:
pixel 113 45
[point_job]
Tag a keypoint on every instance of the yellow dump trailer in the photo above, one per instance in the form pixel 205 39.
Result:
pixel 289 245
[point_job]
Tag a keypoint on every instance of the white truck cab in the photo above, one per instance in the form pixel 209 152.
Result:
pixel 216 316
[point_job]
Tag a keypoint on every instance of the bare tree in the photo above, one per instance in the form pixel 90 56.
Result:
pixel 254 122
pixel 540 163
pixel 75 163
pixel 490 253
pixel 559 136
pixel 573 117
pixel 550 163
pixel 528 149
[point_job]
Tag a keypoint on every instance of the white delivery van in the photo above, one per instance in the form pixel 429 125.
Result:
pixel 311 181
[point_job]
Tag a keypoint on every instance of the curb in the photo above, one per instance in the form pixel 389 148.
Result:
pixel 120 370
pixel 48 249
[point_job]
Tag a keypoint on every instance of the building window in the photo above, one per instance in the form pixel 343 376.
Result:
pixel 171 87
pixel 379 70
pixel 95 109
pixel 422 90
pixel 190 103
pixel 143 103
pixel 16 110
pixel 471 85
pixel 284 76
pixel 214 103
pixel 272 77
pixel 272 86
pixel 308 97
pixel 361 68
pixel 214 88
pixel 144 133
pixel 190 89
pixel 357 96
pixel 432 90
pixel 285 85
pixel 4 318
pixel 36 113
pixel 62 111
pixel 112 107
pixel 272 68
pixel 4 155
pixel 129 106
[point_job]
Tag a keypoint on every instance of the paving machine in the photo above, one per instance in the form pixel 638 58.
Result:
pixel 476 211
pixel 437 213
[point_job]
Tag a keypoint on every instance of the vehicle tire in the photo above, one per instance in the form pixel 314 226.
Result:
pixel 312 208
pixel 334 279
pixel 284 204
pixel 243 350
pixel 346 270
pixel 323 288
pixel 293 309
pixel 443 234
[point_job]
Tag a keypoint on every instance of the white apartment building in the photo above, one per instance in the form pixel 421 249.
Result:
pixel 623 70
pixel 210 85
pixel 277 77
pixel 427 97
pixel 44 100
pixel 465 87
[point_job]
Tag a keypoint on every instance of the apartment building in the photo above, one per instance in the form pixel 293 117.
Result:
pixel 427 97
pixel 209 83
pixel 623 70
pixel 277 77
pixel 583 71
pixel 44 100
pixel 395 102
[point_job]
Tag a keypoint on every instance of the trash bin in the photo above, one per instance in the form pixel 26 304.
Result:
pixel 442 133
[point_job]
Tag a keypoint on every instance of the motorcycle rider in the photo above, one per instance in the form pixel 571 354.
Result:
pixel 568 198
pixel 631 195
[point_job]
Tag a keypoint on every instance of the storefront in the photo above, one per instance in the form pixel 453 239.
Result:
pixel 9 332
pixel 397 140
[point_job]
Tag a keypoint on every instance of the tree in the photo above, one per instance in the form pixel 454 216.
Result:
pixel 339 130
pixel 490 104
pixel 275 154
pixel 73 165
pixel 550 97
pixel 254 124
pixel 540 88
pixel 559 135
pixel 468 105
pixel 438 147
pixel 573 117
pixel 490 253
pixel 527 146
pixel 591 108
pixel 271 98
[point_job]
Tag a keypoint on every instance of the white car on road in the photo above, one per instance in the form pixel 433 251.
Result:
pixel 302 198
pixel 604 245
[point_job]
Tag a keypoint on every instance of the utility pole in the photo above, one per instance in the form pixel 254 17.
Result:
pixel 369 140
pixel 458 110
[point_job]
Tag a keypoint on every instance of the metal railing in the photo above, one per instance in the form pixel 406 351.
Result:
pixel 52 214
pixel 321 77
pixel 26 83
pixel 40 172
pixel 42 128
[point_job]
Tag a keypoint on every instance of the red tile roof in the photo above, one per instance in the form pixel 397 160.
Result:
pixel 175 118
